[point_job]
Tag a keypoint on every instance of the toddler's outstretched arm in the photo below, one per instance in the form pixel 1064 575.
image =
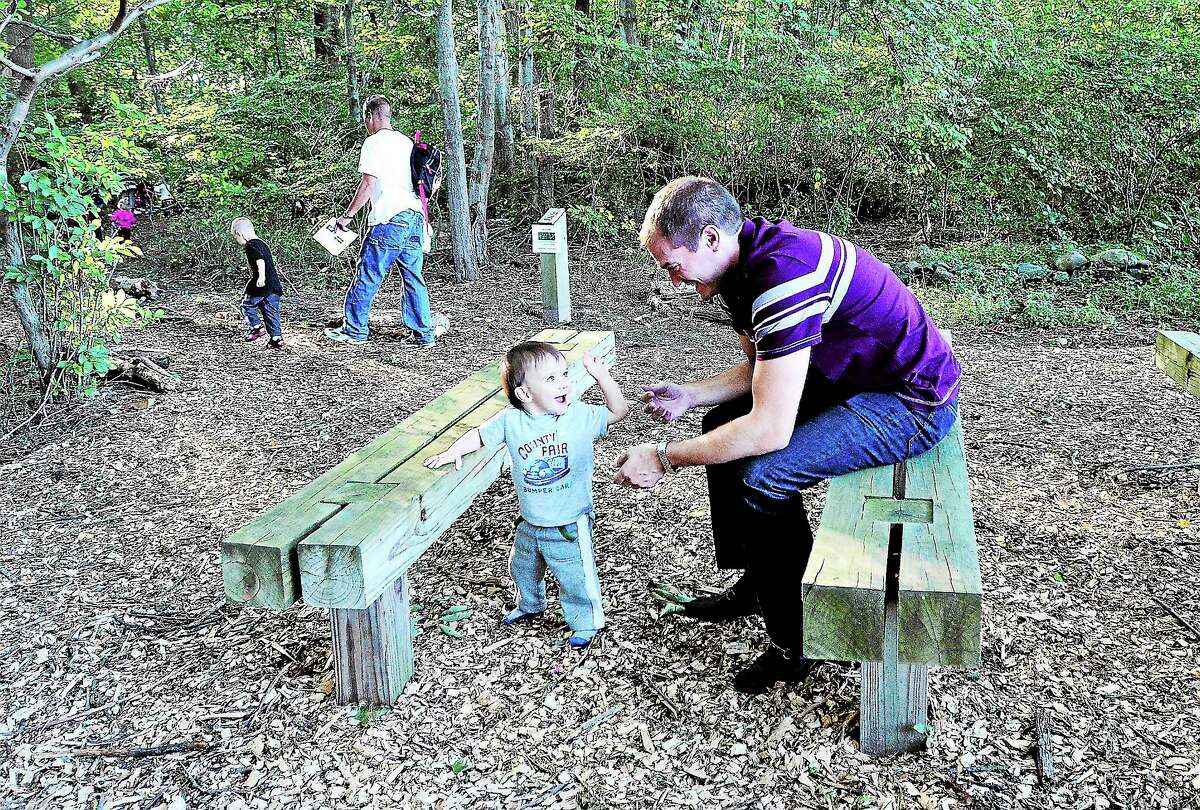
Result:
pixel 614 400
pixel 469 442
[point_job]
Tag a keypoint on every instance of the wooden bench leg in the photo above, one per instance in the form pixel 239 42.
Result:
pixel 372 648
pixel 893 708
pixel 894 702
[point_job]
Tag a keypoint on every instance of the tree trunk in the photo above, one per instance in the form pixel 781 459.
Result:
pixel 627 13
pixel 21 40
pixel 546 167
pixel 325 34
pixel 151 65
pixel 276 41
pixel 485 145
pixel 525 77
pixel 504 127
pixel 81 100
pixel 465 267
pixel 583 10
pixel 354 95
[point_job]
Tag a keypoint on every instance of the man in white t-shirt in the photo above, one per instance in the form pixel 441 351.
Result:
pixel 396 229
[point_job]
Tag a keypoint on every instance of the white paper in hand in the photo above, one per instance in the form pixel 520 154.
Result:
pixel 333 239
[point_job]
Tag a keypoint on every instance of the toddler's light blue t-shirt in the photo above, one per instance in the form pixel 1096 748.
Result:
pixel 552 459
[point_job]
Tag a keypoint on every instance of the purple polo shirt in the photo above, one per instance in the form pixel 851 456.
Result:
pixel 793 289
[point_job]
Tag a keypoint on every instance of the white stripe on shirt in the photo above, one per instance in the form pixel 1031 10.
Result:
pixel 800 283
pixel 842 284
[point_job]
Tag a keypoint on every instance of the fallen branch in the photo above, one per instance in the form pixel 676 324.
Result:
pixel 41 408
pixel 183 747
pixel 1190 465
pixel 588 725
pixel 138 288
pixel 1044 752
pixel 1178 618
pixel 144 372
pixel 661 695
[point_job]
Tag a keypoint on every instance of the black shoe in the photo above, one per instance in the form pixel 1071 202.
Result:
pixel 735 603
pixel 774 665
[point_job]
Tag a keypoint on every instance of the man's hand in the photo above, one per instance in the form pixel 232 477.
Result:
pixel 442 459
pixel 639 467
pixel 667 401
pixel 343 223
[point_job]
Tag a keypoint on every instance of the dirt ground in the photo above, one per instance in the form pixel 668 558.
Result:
pixel 116 637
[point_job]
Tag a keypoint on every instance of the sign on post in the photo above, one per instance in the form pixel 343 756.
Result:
pixel 550 242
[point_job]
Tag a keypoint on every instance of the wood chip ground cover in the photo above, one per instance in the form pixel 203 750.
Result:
pixel 125 681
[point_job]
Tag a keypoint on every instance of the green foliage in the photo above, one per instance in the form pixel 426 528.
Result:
pixel 65 263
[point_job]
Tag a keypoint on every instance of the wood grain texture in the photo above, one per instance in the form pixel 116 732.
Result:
pixel 1177 354
pixel 940 595
pixel 844 582
pixel 372 648
pixel 939 602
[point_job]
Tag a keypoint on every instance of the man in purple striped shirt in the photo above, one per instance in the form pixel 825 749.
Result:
pixel 843 371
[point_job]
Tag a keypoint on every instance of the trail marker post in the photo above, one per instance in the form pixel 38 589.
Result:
pixel 550 242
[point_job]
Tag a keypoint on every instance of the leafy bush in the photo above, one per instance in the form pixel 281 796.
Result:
pixel 66 264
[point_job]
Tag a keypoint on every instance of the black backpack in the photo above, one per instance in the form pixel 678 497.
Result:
pixel 426 161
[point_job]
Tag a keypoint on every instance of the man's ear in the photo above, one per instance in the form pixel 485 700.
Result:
pixel 710 237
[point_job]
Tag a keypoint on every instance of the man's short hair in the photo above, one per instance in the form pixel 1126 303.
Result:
pixel 377 105
pixel 519 361
pixel 684 207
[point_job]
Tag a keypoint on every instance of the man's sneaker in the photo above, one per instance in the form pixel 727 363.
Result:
pixel 412 340
pixel 341 337
pixel 520 616
pixel 255 333
pixel 734 603
pixel 776 664
pixel 276 342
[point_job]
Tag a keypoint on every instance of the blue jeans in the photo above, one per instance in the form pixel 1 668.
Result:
pixel 399 238
pixel 758 517
pixel 567 551
pixel 258 308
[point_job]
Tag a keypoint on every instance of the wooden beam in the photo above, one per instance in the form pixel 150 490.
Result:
pixel 1177 354
pixel 940 599
pixel 844 583
pixel 348 565
pixel 259 562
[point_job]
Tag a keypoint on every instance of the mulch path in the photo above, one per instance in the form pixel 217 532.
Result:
pixel 126 681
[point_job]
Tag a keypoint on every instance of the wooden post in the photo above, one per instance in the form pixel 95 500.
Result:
pixel 372 648
pixel 893 712
pixel 550 241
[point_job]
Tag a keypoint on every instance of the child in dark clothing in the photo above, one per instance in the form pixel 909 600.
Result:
pixel 263 289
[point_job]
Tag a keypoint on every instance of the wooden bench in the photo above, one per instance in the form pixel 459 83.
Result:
pixel 346 540
pixel 1177 354
pixel 893 581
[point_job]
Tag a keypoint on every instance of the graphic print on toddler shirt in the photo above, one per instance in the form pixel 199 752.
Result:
pixel 552 463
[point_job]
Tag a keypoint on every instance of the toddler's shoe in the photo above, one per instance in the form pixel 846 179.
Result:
pixel 276 342
pixel 581 639
pixel 255 333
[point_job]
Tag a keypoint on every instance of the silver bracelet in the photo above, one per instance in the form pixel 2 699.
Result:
pixel 661 449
